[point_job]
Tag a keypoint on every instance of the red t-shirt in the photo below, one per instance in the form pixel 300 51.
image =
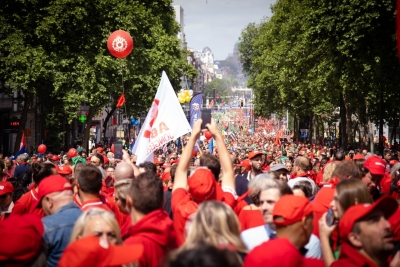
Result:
pixel 321 205
pixel 278 252
pixel 94 203
pixel 155 231
pixel 183 206
pixel 349 256
pixel 319 180
pixel 28 204
pixel 250 219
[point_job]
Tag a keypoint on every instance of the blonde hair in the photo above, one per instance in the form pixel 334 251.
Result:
pixel 107 216
pixel 122 188
pixel 216 224
pixel 328 171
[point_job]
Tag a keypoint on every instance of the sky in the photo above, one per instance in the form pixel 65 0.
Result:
pixel 219 23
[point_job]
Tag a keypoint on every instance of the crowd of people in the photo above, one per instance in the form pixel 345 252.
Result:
pixel 246 201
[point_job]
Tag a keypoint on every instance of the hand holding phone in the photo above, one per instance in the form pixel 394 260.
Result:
pixel 118 150
pixel 206 118
pixel 330 217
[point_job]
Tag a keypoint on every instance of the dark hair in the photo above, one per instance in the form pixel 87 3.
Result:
pixel 387 151
pixel 323 161
pixel 100 157
pixel 347 169
pixel 172 172
pixel 204 255
pixel 305 187
pixel 90 179
pixel 148 166
pixel 41 171
pixel 19 190
pixel 339 155
pixel 146 192
pixel 212 163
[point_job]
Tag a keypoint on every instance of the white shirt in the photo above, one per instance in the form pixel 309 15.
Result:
pixel 294 181
pixel 7 209
pixel 254 237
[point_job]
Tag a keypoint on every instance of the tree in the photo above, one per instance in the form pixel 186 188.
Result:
pixel 62 45
pixel 312 56
pixel 223 88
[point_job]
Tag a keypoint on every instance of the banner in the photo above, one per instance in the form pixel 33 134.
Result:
pixel 195 108
pixel 165 122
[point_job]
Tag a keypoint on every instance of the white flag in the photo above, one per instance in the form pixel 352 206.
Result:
pixel 165 122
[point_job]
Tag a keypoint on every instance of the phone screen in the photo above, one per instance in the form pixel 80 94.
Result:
pixel 206 117
pixel 118 150
pixel 330 218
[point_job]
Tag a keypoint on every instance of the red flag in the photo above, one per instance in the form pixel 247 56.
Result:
pixel 23 142
pixel 211 104
pixel 121 100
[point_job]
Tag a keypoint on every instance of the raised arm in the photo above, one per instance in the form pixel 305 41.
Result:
pixel 228 175
pixel 126 158
pixel 184 161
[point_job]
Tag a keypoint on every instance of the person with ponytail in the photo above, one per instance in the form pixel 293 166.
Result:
pixel 28 202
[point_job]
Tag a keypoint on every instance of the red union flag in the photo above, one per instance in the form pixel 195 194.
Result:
pixel 165 122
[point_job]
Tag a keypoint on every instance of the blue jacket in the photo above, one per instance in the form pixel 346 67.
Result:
pixel 58 229
pixel 241 184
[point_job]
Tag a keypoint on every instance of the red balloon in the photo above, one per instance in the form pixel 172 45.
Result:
pixel 120 44
pixel 112 148
pixel 72 153
pixel 42 149
pixel 207 135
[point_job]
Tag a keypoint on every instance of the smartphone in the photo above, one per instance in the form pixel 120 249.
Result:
pixel 330 217
pixel 118 150
pixel 206 117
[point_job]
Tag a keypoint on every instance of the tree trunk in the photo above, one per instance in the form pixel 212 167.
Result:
pixel 22 121
pixel 109 114
pixel 349 123
pixel 86 129
pixel 370 133
pixel 295 128
pixel 314 123
pixel 343 133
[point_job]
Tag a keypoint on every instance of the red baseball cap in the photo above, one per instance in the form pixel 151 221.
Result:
pixel 64 169
pixel 157 162
pixel 245 163
pixel 174 161
pixel 290 209
pixel 394 221
pixel 6 187
pixel 55 158
pixel 375 165
pixel 22 239
pixel 255 153
pixel 166 165
pixel 202 185
pixel 386 204
pixel 51 184
pixel 99 149
pixel 358 156
pixel 393 161
pixel 92 251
